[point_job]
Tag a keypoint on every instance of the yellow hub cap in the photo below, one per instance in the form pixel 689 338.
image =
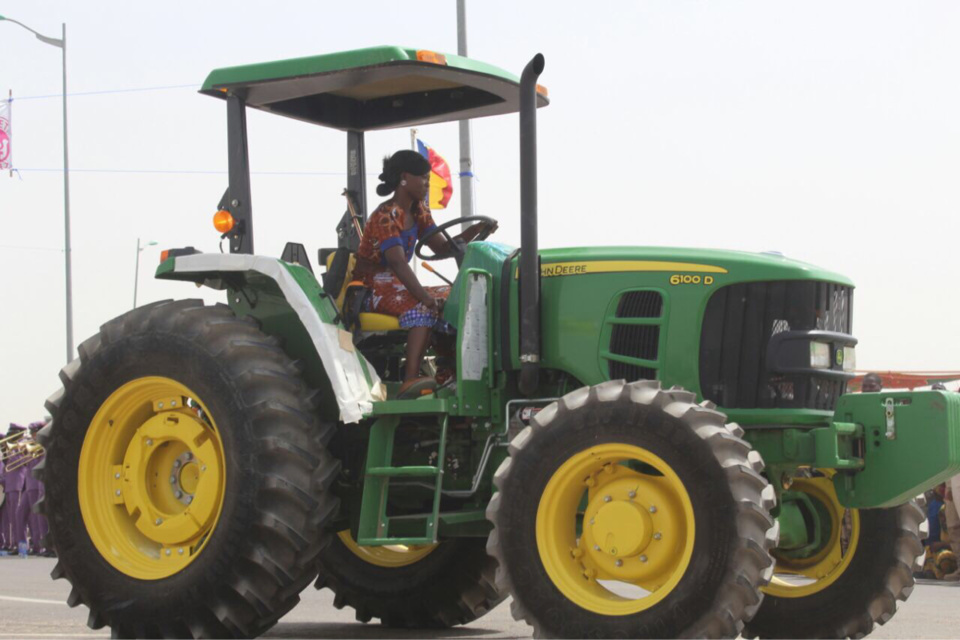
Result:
pixel 636 531
pixel 151 478
pixel 798 578
pixel 389 556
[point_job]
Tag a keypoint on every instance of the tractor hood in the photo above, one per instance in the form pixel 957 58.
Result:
pixel 729 266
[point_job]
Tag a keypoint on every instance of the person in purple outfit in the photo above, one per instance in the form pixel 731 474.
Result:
pixel 8 507
pixel 17 510
pixel 3 507
pixel 36 522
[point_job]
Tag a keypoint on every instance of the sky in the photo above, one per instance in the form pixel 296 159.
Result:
pixel 827 131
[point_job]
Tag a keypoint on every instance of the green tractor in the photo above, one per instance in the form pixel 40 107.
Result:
pixel 640 441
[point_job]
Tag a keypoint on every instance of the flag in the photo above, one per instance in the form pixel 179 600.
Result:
pixel 441 185
pixel 5 134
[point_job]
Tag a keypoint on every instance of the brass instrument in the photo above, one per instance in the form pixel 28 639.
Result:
pixel 18 450
pixel 11 439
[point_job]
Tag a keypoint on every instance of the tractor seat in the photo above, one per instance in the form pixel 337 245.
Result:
pixel 368 322
pixel 378 322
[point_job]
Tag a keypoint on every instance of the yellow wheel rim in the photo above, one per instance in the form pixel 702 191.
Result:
pixel 389 556
pixel 799 578
pixel 151 478
pixel 637 530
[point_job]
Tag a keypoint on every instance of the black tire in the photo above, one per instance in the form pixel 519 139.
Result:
pixel 452 585
pixel 866 594
pixel 262 552
pixel 734 531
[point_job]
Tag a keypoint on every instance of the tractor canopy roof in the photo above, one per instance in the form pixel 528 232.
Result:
pixel 375 88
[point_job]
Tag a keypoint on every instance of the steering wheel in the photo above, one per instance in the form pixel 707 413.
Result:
pixel 458 247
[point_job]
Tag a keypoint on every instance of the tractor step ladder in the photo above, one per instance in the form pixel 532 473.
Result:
pixel 374 529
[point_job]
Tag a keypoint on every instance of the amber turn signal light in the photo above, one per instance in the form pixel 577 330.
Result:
pixel 431 56
pixel 164 255
pixel 223 221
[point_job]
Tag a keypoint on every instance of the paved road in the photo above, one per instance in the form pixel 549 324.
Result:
pixel 32 606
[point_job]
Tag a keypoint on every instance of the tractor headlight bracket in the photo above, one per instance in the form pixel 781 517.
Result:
pixel 827 354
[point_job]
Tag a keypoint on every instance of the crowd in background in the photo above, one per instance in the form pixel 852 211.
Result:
pixel 22 530
pixel 943 540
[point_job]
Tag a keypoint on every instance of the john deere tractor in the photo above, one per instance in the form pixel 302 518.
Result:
pixel 639 442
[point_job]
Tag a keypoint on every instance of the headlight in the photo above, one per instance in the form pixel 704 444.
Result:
pixel 849 359
pixel 819 355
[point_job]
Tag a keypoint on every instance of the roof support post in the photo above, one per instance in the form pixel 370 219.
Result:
pixel 238 194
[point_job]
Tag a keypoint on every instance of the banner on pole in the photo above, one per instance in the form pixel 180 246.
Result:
pixel 441 185
pixel 5 134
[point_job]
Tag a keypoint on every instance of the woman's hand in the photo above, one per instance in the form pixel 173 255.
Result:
pixel 474 230
pixel 435 304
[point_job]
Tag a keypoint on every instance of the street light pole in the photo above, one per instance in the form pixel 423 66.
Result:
pixel 62 44
pixel 66 204
pixel 136 269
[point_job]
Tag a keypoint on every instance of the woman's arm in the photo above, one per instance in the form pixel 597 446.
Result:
pixel 396 260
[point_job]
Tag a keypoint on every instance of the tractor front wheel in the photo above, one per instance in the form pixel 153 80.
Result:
pixel 629 511
pixel 187 479
pixel 853 581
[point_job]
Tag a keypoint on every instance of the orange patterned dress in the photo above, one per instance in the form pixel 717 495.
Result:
pixel 385 229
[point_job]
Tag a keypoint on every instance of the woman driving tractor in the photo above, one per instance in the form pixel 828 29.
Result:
pixel 389 239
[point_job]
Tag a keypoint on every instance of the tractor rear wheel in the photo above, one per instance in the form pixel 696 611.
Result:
pixel 853 581
pixel 187 479
pixel 629 511
pixel 431 586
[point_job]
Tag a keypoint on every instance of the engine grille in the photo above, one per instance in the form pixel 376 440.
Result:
pixel 636 341
pixel 737 326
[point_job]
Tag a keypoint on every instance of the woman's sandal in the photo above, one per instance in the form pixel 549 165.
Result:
pixel 416 387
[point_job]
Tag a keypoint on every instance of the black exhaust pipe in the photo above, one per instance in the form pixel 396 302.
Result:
pixel 529 251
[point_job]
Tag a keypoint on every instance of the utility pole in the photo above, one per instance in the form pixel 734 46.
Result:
pixel 466 159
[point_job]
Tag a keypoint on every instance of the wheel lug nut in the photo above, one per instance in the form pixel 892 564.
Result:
pixel 591 520
pixel 160 405
pixel 643 558
pixel 180 550
pixel 607 498
pixel 189 499
pixel 149 443
pixel 173 479
pixel 119 492
pixel 116 475
pixel 619 563
pixel 173 403
pixel 179 494
pixel 158 521
pixel 189 456
pixel 176 464
pixel 657 535
pixel 596 547
pixel 653 509
pixel 203 468
pixel 167 552
pixel 632 495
